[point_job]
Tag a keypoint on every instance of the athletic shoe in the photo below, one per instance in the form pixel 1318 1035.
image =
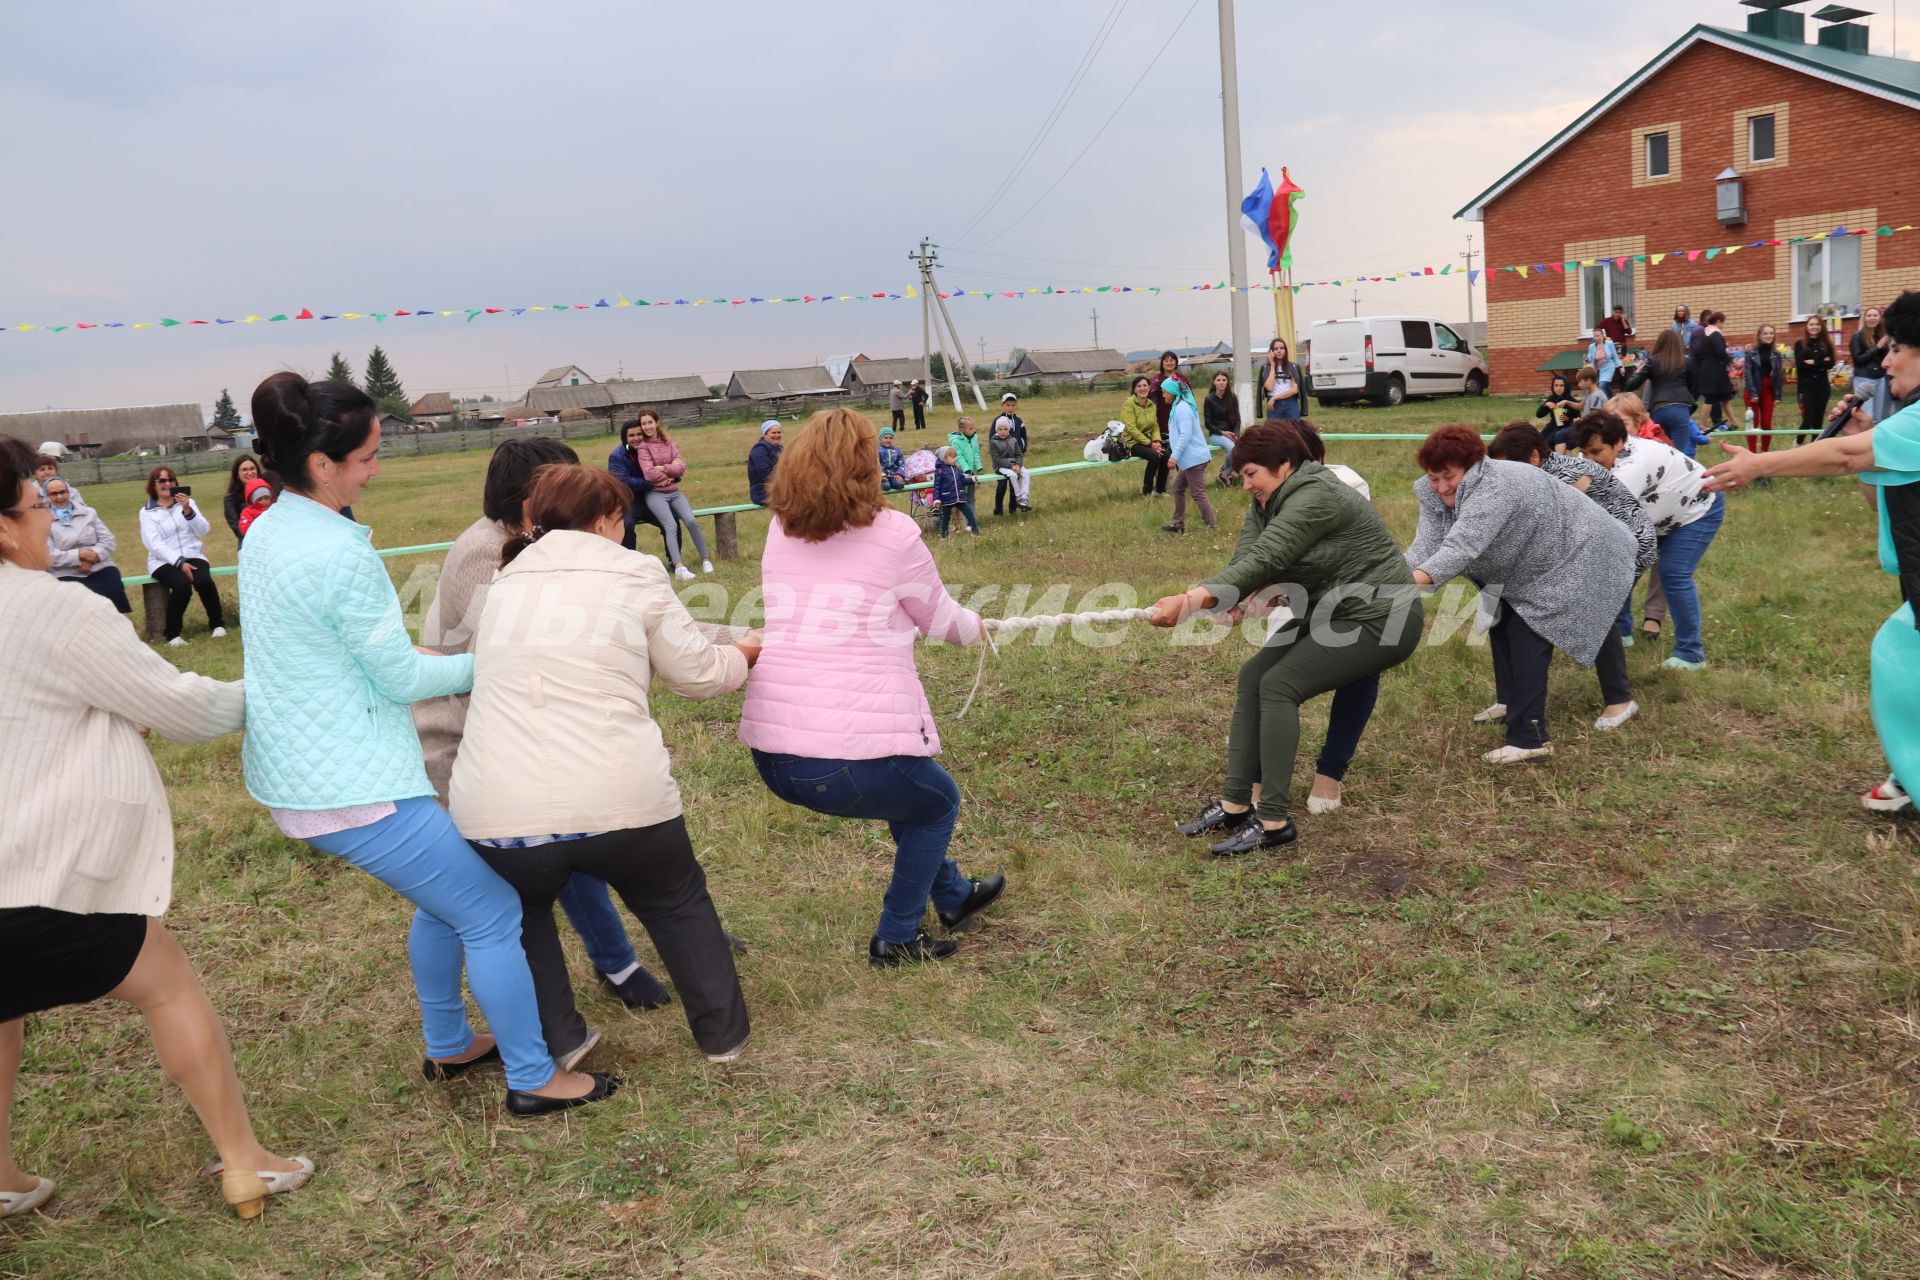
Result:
pixel 219 633
pixel 1681 664
pixel 706 566
pixel 683 573
pixel 1888 797
pixel 178 642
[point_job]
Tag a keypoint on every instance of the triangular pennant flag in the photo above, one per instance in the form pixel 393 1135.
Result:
pixel 251 320
pixel 167 323
pixel 1884 231
pixel 1523 272
pixel 1733 249
pixel 138 324
pixel 304 314
pixel 1712 254
pixel 1837 232
pixel 324 317
pixel 86 326
pixel 281 316
pixel 471 313
pixel 218 320
pixel 492 311
pixel 601 303
pixel 1693 255
pixel 911 293
pixel 1473 276
pixel 1657 259
pixel 351 315
pixel 59 328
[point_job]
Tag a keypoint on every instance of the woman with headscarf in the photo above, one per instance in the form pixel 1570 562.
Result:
pixel 1559 566
pixel 1187 446
pixel 82 546
pixel 1885 455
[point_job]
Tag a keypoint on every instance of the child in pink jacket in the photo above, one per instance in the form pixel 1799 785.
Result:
pixel 834 713
pixel 661 463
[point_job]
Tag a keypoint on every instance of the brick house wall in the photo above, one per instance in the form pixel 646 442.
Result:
pixel 1841 160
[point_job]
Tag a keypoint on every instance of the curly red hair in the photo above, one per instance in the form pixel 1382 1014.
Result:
pixel 1454 445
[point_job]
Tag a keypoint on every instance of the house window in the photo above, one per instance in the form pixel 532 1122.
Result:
pixel 1826 273
pixel 1603 286
pixel 1657 162
pixel 1760 144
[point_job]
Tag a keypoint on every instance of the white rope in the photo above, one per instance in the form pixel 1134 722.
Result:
pixel 1013 626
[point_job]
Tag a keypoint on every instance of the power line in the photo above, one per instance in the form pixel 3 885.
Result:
pixel 1140 80
pixel 1000 192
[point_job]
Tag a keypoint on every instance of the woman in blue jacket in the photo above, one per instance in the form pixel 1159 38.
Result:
pixel 1188 446
pixel 331 748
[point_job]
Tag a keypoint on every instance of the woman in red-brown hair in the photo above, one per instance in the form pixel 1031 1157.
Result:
pixel 574 629
pixel 1557 564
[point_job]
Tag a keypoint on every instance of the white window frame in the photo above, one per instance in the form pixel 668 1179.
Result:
pixel 1646 142
pixel 1824 245
pixel 1774 120
pixel 1607 273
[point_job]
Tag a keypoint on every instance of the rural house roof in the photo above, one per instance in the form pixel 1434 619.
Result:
pixel 114 430
pixel 1895 79
pixel 770 384
pixel 658 390
pixel 553 399
pixel 1087 360
pixel 557 377
pixel 432 404
pixel 881 373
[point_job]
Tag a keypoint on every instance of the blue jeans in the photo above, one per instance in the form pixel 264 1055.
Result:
pixel 889 484
pixel 589 909
pixel 466 913
pixel 1677 421
pixel 1680 554
pixel 1346 721
pixel 918 800
pixel 1287 410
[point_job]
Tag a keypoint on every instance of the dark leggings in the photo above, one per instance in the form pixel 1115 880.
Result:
pixel 1153 477
pixel 1347 720
pixel 181 588
pixel 106 583
pixel 1521 657
pixel 1813 406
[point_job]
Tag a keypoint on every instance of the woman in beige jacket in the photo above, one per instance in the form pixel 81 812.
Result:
pixel 86 842
pixel 574 629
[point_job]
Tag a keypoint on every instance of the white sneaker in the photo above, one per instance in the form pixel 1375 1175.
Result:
pixel 732 1055
pixel 706 566
pixel 569 1060
pixel 1498 711
pixel 683 573
pixel 1888 797
pixel 178 642
pixel 1517 755
pixel 1614 722
pixel 219 633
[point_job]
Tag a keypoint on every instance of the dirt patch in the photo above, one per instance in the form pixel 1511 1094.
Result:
pixel 1379 876
pixel 1306 1254
pixel 1725 932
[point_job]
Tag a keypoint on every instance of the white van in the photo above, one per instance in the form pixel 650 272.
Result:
pixel 1385 359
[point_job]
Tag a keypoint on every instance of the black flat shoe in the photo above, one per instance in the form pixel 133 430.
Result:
pixel 1214 817
pixel 1173 528
pixel 640 990
pixel 984 893
pixel 1253 836
pixel 533 1104
pixel 894 954
pixel 439 1072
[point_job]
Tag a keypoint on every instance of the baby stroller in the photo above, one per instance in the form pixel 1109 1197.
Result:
pixel 919 469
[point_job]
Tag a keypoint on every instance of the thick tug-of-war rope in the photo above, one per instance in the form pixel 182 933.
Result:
pixel 1013 626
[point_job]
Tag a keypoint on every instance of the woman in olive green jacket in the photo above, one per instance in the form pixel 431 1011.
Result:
pixel 1316 544
pixel 1141 418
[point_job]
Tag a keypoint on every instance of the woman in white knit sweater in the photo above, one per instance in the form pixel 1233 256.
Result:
pixel 86 842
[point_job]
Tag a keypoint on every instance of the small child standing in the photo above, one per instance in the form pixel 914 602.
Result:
pixel 952 488
pixel 1586 385
pixel 893 463
pixel 259 498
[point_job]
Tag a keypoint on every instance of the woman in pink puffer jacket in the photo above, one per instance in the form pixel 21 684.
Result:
pixel 834 714
pixel 661 463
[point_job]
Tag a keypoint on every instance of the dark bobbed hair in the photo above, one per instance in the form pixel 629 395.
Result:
pixel 1607 426
pixel 1139 378
pixel 1269 445
pixel 17 464
pixel 565 495
pixel 1517 442
pixel 510 474
pixel 235 489
pixel 293 419
pixel 1176 359
pixel 153 494
pixel 1454 445
pixel 1316 447
pixel 1901 319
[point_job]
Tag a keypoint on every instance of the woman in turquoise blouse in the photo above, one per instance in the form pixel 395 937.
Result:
pixel 1886 456
pixel 331 749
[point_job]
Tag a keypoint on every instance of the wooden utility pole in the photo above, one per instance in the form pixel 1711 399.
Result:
pixel 943 329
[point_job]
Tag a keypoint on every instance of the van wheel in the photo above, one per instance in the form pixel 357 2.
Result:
pixel 1396 391
pixel 1476 383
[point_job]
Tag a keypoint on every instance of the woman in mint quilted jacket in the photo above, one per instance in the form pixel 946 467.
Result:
pixel 331 749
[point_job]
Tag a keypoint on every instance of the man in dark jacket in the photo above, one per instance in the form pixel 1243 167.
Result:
pixel 624 466
pixel 761 460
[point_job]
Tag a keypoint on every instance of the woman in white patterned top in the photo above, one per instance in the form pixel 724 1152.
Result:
pixel 1685 516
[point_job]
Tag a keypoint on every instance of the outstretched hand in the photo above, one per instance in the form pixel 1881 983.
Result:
pixel 1171 611
pixel 1741 468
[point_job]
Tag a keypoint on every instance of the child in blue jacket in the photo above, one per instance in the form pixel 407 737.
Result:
pixel 893 464
pixel 952 488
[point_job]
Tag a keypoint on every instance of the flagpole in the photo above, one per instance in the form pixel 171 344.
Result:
pixel 1236 239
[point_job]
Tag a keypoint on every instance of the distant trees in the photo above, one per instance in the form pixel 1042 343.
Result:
pixel 383 384
pixel 338 370
pixel 225 416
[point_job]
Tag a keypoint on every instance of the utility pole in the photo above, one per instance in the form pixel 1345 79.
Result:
pixel 1096 326
pixel 1356 304
pixel 1468 255
pixel 983 351
pixel 927 258
pixel 1236 238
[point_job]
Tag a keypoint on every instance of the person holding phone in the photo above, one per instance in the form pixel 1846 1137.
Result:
pixel 1282 386
pixel 172 527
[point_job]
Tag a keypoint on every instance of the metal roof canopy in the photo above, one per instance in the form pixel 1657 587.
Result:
pixel 1771 6
pixel 1840 13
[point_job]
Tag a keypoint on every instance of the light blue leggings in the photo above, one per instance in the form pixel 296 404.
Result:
pixel 465 912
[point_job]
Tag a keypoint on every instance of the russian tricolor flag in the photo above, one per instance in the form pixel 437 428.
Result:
pixel 1272 215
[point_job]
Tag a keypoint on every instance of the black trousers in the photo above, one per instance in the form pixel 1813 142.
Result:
pixel 899 419
pixel 1521 657
pixel 107 584
pixel 1813 405
pixel 639 514
pixel 1153 476
pixel 655 873
pixel 181 589
pixel 920 417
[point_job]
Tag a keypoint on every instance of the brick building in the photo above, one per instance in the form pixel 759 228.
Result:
pixel 1819 136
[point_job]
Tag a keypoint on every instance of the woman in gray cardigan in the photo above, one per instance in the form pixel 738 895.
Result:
pixel 1554 564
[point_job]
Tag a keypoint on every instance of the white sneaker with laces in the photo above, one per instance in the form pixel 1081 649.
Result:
pixel 683 573
pixel 1517 755
pixel 1614 722
pixel 1498 711
pixel 219 633
pixel 1888 797
pixel 706 566
pixel 178 642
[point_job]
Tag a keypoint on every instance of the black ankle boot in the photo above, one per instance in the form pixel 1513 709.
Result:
pixel 1251 836
pixel 1215 817
pixel 894 954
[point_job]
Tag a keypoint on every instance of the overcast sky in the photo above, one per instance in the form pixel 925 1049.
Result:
pixel 220 159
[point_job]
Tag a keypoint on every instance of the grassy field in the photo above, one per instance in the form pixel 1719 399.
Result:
pixel 1648 1010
